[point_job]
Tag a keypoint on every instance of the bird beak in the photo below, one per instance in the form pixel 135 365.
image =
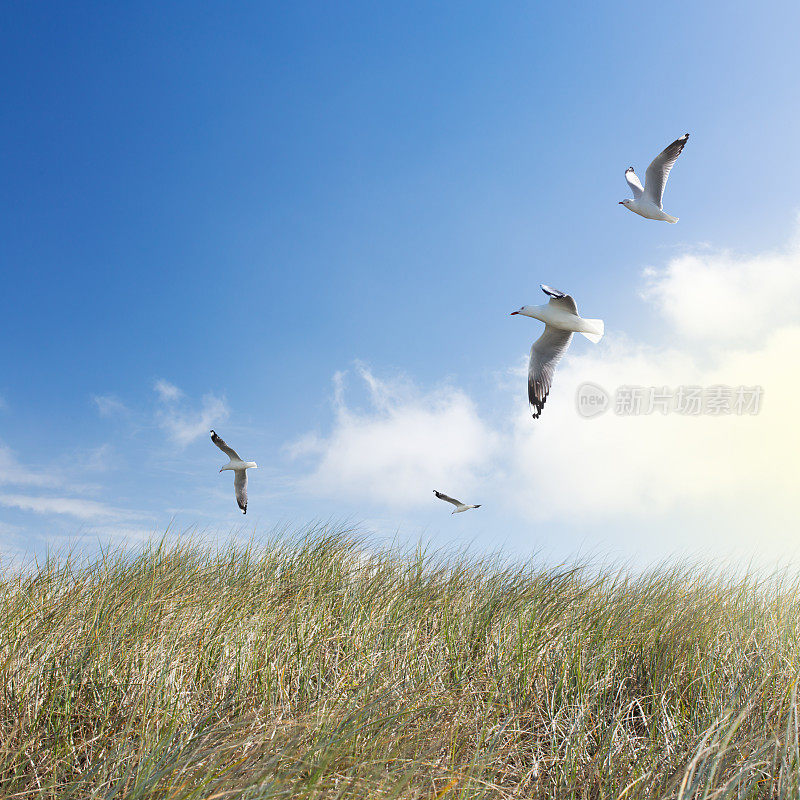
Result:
pixel 512 313
pixel 621 203
pixel 222 469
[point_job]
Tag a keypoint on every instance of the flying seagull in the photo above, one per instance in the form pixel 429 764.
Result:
pixel 239 468
pixel 561 319
pixel 457 503
pixel 647 201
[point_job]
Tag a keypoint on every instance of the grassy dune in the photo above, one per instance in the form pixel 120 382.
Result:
pixel 318 668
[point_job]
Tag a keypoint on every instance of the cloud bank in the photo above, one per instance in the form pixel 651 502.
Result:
pixel 730 320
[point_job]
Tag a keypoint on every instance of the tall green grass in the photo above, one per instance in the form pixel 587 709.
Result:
pixel 317 667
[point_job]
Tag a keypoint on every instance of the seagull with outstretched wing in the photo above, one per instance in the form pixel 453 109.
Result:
pixel 239 468
pixel 647 199
pixel 457 503
pixel 561 320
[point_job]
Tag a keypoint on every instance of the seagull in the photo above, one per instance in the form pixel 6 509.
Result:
pixel 457 503
pixel 561 319
pixel 647 201
pixel 239 468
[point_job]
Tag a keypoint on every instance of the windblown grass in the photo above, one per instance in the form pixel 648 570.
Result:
pixel 318 668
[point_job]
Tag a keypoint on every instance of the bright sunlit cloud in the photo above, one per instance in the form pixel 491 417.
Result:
pixel 726 299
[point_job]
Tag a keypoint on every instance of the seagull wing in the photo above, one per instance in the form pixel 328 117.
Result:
pixel 229 451
pixel 560 299
pixel 546 352
pixel 655 179
pixel 240 488
pixel 634 183
pixel 447 499
pixel 551 291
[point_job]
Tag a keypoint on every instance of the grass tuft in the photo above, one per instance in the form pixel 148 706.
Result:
pixel 316 667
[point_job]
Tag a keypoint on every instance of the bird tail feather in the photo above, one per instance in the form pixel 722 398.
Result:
pixel 670 218
pixel 596 335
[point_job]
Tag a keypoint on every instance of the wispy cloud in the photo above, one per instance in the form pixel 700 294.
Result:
pixel 94 459
pixel 182 423
pixel 167 392
pixel 15 473
pixel 70 506
pixel 110 406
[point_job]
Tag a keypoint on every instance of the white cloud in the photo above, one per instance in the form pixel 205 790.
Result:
pixel 14 473
pixel 183 424
pixel 406 444
pixel 727 299
pixel 70 506
pixel 167 391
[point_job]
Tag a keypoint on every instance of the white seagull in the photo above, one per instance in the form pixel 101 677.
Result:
pixel 457 503
pixel 647 201
pixel 239 468
pixel 561 319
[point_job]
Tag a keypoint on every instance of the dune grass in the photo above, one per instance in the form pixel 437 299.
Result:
pixel 314 667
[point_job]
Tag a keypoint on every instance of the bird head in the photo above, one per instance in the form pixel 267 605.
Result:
pixel 626 202
pixel 526 311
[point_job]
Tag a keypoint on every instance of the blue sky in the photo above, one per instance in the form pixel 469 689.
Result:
pixel 244 202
